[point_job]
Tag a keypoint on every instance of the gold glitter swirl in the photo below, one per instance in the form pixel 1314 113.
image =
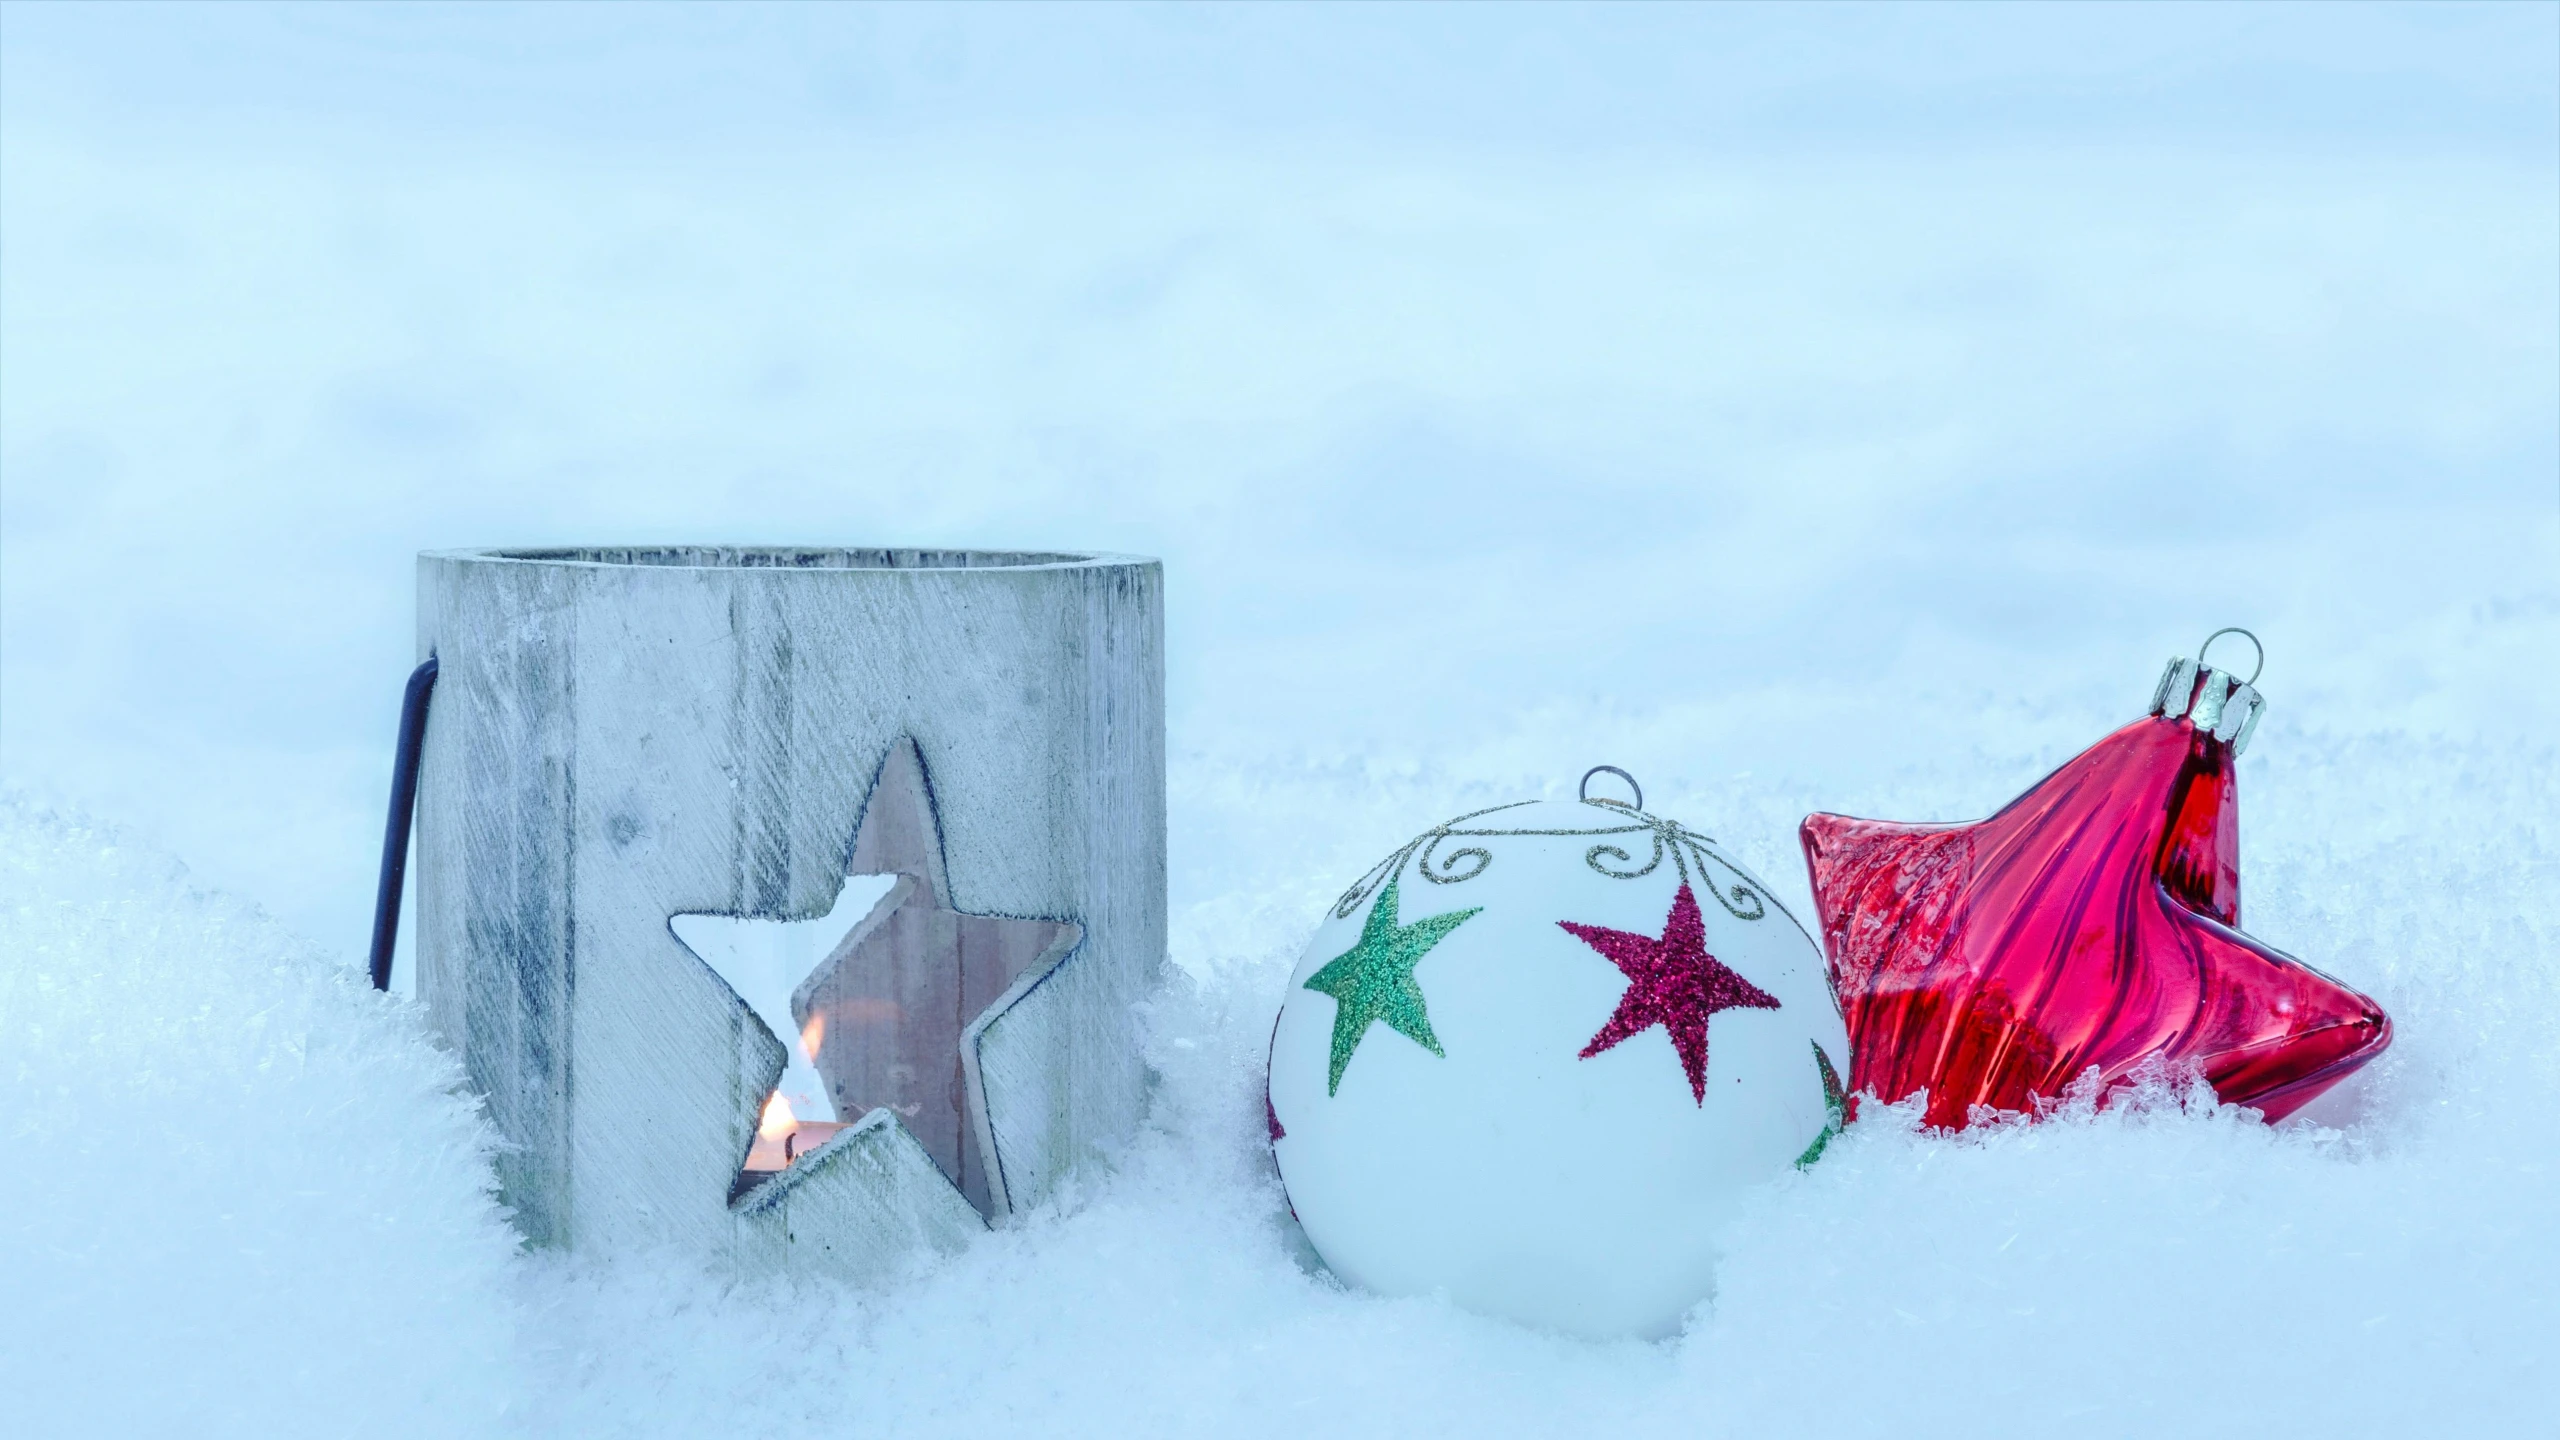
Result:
pixel 1591 857
pixel 1447 874
pixel 1732 898
pixel 1387 869
pixel 1689 851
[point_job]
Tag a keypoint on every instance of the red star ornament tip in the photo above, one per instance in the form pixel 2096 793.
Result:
pixel 2091 923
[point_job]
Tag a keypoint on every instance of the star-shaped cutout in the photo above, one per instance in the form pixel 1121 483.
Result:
pixel 1373 980
pixel 1672 982
pixel 765 960
pixel 2091 923
pixel 886 1013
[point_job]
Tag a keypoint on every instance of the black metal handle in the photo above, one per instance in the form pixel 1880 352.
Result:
pixel 395 830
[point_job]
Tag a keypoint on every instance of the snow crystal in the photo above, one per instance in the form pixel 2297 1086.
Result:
pixel 1842 409
pixel 239 1194
pixel 315 1195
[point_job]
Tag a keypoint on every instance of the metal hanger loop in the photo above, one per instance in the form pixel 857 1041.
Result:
pixel 2253 642
pixel 1585 792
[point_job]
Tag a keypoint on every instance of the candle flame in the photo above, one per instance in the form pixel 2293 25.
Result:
pixel 777 1119
pixel 813 1035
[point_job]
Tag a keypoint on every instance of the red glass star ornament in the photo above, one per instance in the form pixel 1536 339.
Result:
pixel 2092 923
pixel 1672 982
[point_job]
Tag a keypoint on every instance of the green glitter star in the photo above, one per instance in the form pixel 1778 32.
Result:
pixel 1835 1101
pixel 1373 980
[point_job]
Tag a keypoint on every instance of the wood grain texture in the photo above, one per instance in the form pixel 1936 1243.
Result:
pixel 888 1006
pixel 622 736
pixel 862 1206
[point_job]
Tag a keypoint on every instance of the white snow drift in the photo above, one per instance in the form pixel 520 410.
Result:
pixel 244 1199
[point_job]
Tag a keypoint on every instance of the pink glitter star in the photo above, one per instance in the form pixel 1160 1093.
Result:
pixel 1671 982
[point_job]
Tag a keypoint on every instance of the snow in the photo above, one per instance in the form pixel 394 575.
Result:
pixel 2172 1266
pixel 241 1193
pixel 1847 412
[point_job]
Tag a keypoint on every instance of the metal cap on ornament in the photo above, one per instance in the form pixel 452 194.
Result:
pixel 2210 698
pixel 2085 933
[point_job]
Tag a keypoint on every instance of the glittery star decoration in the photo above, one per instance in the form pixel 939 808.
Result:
pixel 1373 980
pixel 885 1016
pixel 2093 923
pixel 1835 1108
pixel 1672 982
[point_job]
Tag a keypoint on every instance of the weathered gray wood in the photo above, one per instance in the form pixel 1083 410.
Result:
pixel 859 1207
pixel 619 736
pixel 891 1001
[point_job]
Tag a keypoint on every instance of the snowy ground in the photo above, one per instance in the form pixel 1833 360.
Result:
pixel 1848 411
pixel 2179 1269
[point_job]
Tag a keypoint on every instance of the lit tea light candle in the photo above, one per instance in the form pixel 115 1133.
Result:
pixel 781 1138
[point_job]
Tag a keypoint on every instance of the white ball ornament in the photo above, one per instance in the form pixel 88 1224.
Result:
pixel 1534 1059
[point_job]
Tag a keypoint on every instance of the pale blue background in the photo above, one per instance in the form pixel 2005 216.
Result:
pixel 1708 390
pixel 1812 407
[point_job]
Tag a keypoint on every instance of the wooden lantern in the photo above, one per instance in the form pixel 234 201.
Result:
pixel 622 736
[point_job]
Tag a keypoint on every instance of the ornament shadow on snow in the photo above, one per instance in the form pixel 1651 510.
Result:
pixel 622 737
pixel 2090 926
